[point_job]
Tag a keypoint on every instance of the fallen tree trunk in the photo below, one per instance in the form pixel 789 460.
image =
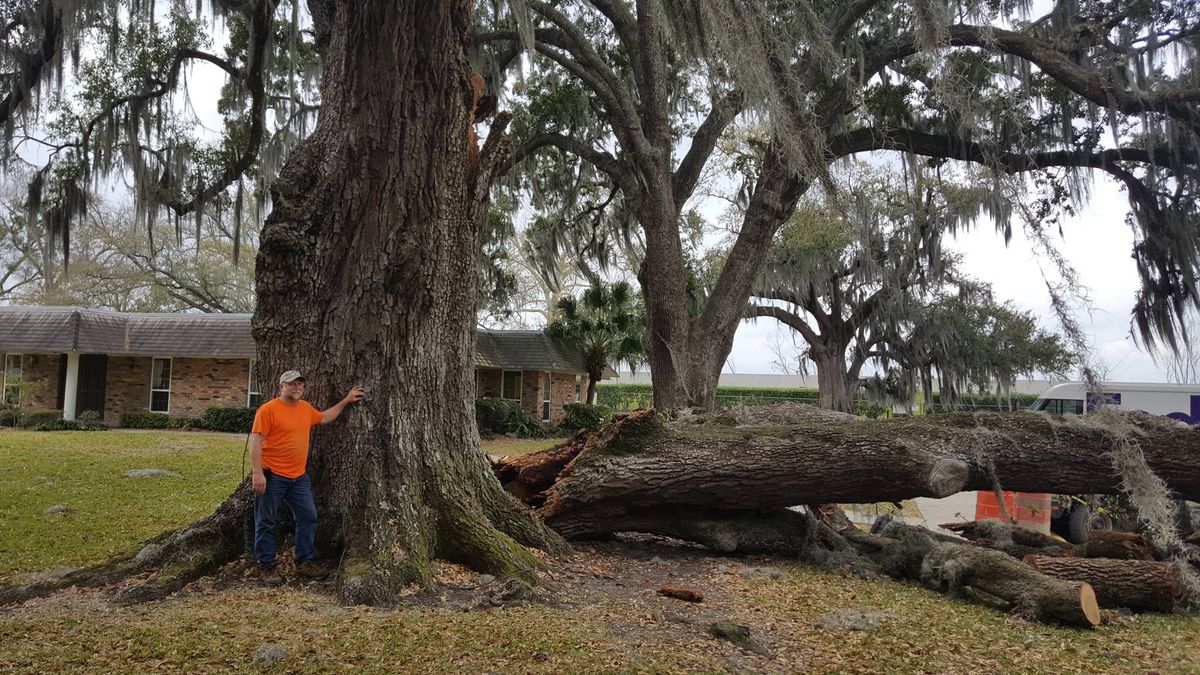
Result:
pixel 950 566
pixel 788 455
pixel 1118 545
pixel 1140 585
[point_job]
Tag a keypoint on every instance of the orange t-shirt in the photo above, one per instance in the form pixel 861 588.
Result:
pixel 285 428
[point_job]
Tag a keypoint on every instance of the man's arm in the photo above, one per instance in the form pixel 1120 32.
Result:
pixel 331 414
pixel 257 479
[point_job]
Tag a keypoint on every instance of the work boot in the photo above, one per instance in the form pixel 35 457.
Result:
pixel 311 570
pixel 269 575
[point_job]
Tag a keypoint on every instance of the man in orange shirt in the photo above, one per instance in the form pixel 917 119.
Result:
pixel 279 456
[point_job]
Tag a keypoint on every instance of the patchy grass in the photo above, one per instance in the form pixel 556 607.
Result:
pixel 603 616
pixel 107 512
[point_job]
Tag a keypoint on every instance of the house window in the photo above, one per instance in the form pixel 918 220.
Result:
pixel 160 385
pixel 254 397
pixel 578 388
pixel 510 387
pixel 12 379
pixel 546 398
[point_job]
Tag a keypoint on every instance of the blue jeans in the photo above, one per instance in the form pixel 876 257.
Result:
pixel 297 492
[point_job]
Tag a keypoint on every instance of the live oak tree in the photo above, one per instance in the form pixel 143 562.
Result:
pixel 367 268
pixel 634 97
pixel 867 281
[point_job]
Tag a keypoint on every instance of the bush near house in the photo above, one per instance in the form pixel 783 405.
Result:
pixel 234 420
pixel 585 416
pixel 141 419
pixel 495 416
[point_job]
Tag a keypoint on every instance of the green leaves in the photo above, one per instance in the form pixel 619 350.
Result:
pixel 605 322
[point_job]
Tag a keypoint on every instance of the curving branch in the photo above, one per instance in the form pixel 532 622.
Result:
pixel 783 316
pixel 950 147
pixel 722 114
pixel 603 161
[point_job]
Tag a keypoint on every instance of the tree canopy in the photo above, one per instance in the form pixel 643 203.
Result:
pixel 624 105
pixel 866 280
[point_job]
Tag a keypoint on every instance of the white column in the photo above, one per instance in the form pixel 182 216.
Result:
pixel 72 386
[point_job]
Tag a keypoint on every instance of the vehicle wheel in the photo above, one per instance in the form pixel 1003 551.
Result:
pixel 1084 520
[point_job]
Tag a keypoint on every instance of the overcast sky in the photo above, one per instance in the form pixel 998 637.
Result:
pixel 1098 244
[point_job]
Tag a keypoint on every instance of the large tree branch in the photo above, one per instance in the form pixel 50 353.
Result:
pixel 775 196
pixel 949 147
pixel 790 319
pixel 625 26
pixel 1089 83
pixel 723 112
pixel 598 158
pixel 557 47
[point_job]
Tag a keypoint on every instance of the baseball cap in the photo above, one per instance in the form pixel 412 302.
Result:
pixel 290 376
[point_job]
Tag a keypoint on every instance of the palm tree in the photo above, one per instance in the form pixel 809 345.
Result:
pixel 606 324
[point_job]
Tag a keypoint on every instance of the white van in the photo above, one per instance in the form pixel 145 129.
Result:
pixel 1073 517
pixel 1177 401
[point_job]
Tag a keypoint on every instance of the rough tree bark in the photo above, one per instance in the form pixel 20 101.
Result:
pixel 1140 585
pixel 366 274
pixel 633 468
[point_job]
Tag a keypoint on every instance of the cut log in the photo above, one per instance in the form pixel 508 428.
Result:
pixel 909 552
pixel 1017 542
pixel 1140 585
pixel 1038 596
pixel 1118 545
pixel 640 464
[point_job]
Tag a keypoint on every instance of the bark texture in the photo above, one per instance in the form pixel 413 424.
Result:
pixel 1140 585
pixel 367 274
pixel 791 455
pixel 948 566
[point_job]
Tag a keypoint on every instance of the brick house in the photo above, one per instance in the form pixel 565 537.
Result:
pixel 72 359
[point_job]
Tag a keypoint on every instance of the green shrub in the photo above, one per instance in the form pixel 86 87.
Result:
pixel 185 423
pixel 235 420
pixel 501 416
pixel 89 417
pixel 585 416
pixel 491 414
pixel 37 417
pixel 141 419
pixel 522 425
pixel 70 425
pixel 9 417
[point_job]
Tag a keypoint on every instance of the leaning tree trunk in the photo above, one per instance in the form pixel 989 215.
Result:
pixel 367 275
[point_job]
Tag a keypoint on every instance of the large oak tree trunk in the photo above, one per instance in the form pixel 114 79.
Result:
pixel 367 275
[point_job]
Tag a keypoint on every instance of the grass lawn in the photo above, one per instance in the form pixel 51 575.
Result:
pixel 603 614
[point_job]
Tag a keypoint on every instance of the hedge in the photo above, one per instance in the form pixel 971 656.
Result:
pixel 235 420
pixel 584 416
pixel 140 419
pixel 495 416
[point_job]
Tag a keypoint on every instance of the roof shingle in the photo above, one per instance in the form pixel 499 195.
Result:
pixel 95 331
